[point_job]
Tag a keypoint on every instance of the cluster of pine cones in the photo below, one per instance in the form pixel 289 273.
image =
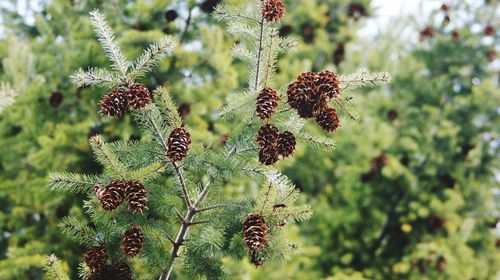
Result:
pixel 255 236
pixel 117 102
pixel 96 258
pixel 309 95
pixel 274 144
pixel 117 191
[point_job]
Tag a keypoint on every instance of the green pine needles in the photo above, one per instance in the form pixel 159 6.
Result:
pixel 161 201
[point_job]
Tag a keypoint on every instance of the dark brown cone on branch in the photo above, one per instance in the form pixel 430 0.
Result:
pixel 178 144
pixel 328 119
pixel 122 271
pixel 286 143
pixel 304 96
pixel 137 197
pixel 95 258
pixel 132 241
pixel 489 30
pixel 114 104
pixel 111 195
pixel 328 84
pixel 138 97
pixel 269 155
pixel 266 104
pixel 273 10
pixel 267 135
pixel 254 231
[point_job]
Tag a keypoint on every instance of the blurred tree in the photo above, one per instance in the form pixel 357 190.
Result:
pixel 412 195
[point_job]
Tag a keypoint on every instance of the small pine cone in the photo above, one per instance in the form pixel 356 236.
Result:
pixel 328 84
pixel 266 104
pixel 489 30
pixel 138 97
pixel 254 231
pixel 273 10
pixel 267 135
pixel 132 241
pixel 306 99
pixel 137 197
pixel 111 195
pixel 122 271
pixel 114 104
pixel 286 143
pixel 269 155
pixel 328 119
pixel 95 258
pixel 178 144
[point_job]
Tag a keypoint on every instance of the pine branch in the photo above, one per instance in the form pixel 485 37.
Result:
pixel 94 77
pixel 54 269
pixel 364 78
pixel 228 14
pixel 152 56
pixel 147 173
pixel 259 53
pixel 182 182
pixel 167 106
pixel 106 157
pixel 236 102
pixel 78 231
pixel 7 96
pixel 78 183
pixel 320 142
pixel 107 40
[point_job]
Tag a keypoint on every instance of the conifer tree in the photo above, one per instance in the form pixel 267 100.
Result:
pixel 160 201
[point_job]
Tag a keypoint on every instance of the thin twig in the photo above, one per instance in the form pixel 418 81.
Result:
pixel 185 195
pixel 259 53
pixel 345 110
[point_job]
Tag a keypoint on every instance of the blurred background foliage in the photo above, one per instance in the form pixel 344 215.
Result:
pixel 410 192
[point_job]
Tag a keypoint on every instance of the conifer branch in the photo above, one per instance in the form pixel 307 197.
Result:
pixel 224 12
pixel 364 78
pixel 182 182
pixel 7 96
pixel 107 40
pixel 344 109
pixel 259 53
pixel 94 77
pixel 54 269
pixel 152 56
pixel 106 157
pixel 78 183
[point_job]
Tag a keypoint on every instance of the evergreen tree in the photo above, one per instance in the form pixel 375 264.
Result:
pixel 164 195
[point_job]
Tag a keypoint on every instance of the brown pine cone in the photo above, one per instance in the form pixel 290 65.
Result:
pixel 114 104
pixel 489 30
pixel 305 97
pixel 328 119
pixel 137 197
pixel 266 104
pixel 111 195
pixel 328 84
pixel 254 231
pixel 138 97
pixel 95 258
pixel 269 155
pixel 178 144
pixel 267 135
pixel 286 143
pixel 122 271
pixel 272 10
pixel 132 241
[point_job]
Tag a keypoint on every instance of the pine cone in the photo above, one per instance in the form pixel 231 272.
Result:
pixel 328 119
pixel 111 195
pixel 122 271
pixel 273 10
pixel 178 144
pixel 114 104
pixel 254 231
pixel 132 241
pixel 267 135
pixel 269 155
pixel 266 104
pixel 104 273
pixel 328 84
pixel 304 95
pixel 489 30
pixel 286 143
pixel 138 97
pixel 137 197
pixel 95 258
